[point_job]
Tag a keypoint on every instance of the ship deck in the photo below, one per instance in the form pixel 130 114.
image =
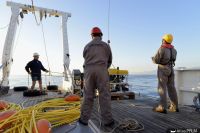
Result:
pixel 139 109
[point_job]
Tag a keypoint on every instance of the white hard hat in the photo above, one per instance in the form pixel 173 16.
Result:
pixel 35 54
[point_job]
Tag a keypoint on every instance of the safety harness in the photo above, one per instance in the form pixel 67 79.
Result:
pixel 171 61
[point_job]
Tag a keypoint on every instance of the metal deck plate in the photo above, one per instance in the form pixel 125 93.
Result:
pixel 72 128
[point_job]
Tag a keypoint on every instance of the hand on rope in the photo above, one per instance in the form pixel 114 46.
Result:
pixel 47 71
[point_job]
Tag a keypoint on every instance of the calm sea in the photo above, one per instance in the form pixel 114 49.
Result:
pixel 143 84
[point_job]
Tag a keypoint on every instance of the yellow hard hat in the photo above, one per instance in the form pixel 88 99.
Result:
pixel 168 38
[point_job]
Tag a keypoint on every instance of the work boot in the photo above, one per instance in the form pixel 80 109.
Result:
pixel 83 123
pixel 109 124
pixel 160 109
pixel 173 108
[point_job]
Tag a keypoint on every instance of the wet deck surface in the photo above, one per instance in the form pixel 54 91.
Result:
pixel 139 109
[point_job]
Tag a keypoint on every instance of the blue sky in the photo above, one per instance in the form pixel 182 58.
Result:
pixel 136 28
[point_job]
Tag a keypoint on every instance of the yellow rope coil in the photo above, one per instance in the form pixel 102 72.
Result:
pixel 57 111
pixel 12 106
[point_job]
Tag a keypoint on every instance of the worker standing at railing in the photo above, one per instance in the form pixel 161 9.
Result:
pixel 165 58
pixel 34 68
pixel 98 58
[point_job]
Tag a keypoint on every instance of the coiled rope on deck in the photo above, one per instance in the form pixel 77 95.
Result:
pixel 131 125
pixel 57 111
pixel 12 106
pixel 128 124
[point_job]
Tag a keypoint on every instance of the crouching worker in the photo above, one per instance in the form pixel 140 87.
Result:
pixel 34 68
pixel 165 58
